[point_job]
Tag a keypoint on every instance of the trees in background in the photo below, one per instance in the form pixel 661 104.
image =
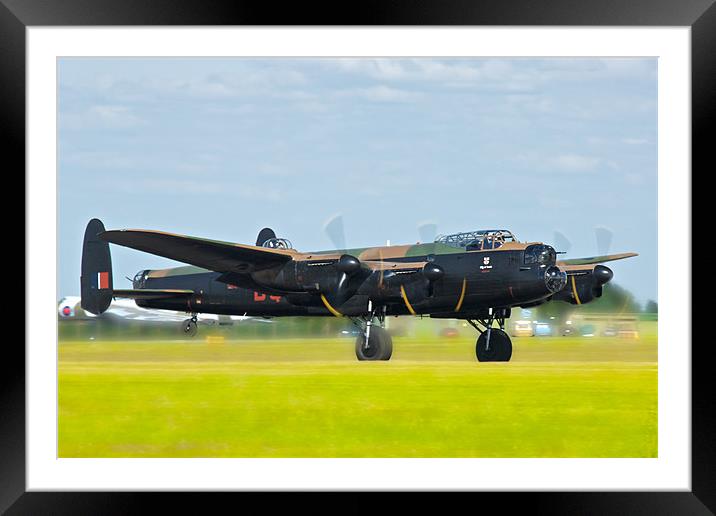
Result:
pixel 615 300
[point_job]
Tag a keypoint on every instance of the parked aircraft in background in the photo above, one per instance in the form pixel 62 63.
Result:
pixel 126 310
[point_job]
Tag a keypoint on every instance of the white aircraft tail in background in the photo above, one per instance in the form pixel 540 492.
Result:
pixel 126 310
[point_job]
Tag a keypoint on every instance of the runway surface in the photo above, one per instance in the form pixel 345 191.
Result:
pixel 558 397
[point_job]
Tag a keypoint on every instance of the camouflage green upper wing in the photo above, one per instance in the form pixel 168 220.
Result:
pixel 596 259
pixel 209 254
pixel 393 266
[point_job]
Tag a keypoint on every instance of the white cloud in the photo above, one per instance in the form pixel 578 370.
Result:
pixel 575 162
pixel 193 187
pixel 454 72
pixel 102 116
pixel 635 141
pixel 380 94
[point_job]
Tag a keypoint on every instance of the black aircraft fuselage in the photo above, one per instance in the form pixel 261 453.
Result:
pixel 491 279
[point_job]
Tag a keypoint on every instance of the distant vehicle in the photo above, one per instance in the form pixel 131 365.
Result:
pixel 523 329
pixel 567 330
pixel 543 329
pixel 610 331
pixel 587 330
pixel 449 332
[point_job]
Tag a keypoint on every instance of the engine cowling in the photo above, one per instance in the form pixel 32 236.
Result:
pixel 583 288
pixel 415 286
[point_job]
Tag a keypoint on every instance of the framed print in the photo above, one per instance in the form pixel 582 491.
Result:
pixel 411 121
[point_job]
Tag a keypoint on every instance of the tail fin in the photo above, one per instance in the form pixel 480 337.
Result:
pixel 265 234
pixel 96 280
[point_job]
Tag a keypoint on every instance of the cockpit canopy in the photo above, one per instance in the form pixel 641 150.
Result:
pixel 477 240
pixel 278 243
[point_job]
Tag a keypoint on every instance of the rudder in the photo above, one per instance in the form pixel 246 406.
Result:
pixel 265 234
pixel 96 279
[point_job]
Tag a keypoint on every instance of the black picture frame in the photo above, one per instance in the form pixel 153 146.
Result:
pixel 700 15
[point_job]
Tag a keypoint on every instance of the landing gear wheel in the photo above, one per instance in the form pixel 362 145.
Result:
pixel 189 327
pixel 500 349
pixel 380 345
pixel 388 352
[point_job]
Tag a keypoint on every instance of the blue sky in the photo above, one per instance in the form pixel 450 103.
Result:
pixel 220 148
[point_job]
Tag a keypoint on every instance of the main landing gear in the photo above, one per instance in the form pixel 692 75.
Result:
pixel 374 343
pixel 493 344
pixel 189 327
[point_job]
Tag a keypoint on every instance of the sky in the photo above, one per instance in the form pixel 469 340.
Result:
pixel 222 147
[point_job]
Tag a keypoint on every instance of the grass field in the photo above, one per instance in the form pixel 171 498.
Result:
pixel 558 397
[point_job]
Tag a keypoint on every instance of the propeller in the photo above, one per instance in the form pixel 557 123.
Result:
pixel 602 234
pixel 333 227
pixel 561 242
pixel 347 266
pixel 335 230
pixel 604 239
pixel 350 278
pixel 427 232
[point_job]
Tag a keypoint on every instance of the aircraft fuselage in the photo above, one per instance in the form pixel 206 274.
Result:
pixel 475 281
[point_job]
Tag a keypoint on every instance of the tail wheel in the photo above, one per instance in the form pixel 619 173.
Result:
pixel 499 350
pixel 380 345
pixel 189 328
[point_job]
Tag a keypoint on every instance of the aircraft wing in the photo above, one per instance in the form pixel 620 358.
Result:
pixel 596 259
pixel 578 270
pixel 394 266
pixel 148 293
pixel 209 254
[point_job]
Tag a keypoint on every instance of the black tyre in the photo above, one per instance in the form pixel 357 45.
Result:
pixel 388 350
pixel 380 345
pixel 189 328
pixel 500 349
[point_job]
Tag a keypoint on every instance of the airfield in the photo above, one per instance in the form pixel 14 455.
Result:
pixel 309 397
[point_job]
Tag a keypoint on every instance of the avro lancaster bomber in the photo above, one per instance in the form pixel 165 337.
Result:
pixel 477 276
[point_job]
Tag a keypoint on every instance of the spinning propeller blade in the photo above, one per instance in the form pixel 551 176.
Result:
pixel 427 232
pixel 334 229
pixel 604 239
pixel 561 243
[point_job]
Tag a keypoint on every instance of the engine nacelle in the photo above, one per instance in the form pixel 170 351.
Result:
pixel 584 288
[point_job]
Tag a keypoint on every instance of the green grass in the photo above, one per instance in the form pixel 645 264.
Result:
pixel 558 397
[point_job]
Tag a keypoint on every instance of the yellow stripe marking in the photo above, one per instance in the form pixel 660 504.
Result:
pixel 574 291
pixel 462 295
pixel 405 298
pixel 330 308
